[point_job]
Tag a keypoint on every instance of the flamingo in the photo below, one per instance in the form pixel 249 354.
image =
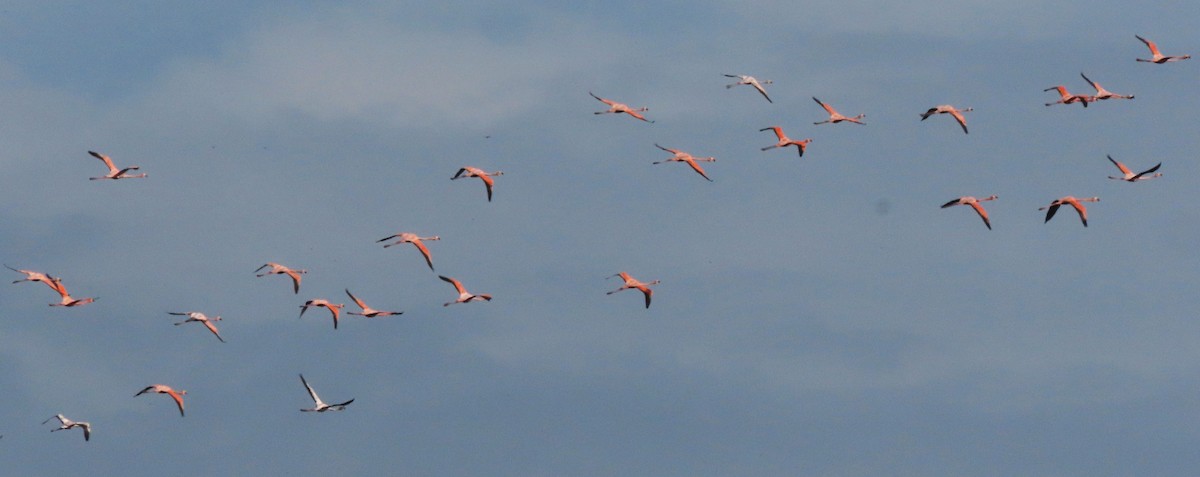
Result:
pixel 631 282
pixel 68 424
pixel 405 237
pixel 974 203
pixel 318 404
pixel 785 141
pixel 1074 202
pixel 1158 57
pixel 32 276
pixel 1129 176
pixel 463 295
pixel 277 269
pixel 1066 97
pixel 951 110
pixel 113 172
pixel 836 117
pixel 469 171
pixel 615 107
pixel 680 156
pixel 333 308
pixel 368 311
pixel 164 389
pixel 752 81
pixel 202 318
pixel 1102 93
pixel 67 300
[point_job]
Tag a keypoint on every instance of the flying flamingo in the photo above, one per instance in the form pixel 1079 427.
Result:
pixel 405 237
pixel 1102 93
pixel 1066 97
pixel 463 295
pixel 67 300
pixel 368 311
pixel 631 282
pixel 202 318
pixel 32 276
pixel 785 141
pixel 164 389
pixel 615 107
pixel 68 424
pixel 680 156
pixel 1076 203
pixel 333 308
pixel 974 203
pixel 1128 175
pixel 836 117
pixel 277 269
pixel 951 110
pixel 113 172
pixel 318 404
pixel 1158 57
pixel 752 81
pixel 469 171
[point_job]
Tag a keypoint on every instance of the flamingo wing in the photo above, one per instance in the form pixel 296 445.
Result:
pixel 1147 171
pixel 107 161
pixel 961 120
pixel 425 251
pixel 1124 170
pixel 982 214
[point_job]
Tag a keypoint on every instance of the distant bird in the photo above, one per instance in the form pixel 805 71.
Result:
pixel 785 141
pixel 202 318
pixel 974 203
pixel 631 282
pixel 405 237
pixel 1128 175
pixel 1101 93
pixel 1076 203
pixel 67 300
pixel 836 117
pixel 368 311
pixel 469 171
pixel 951 110
pixel 333 308
pixel 463 295
pixel 1158 57
pixel 752 81
pixel 680 156
pixel 68 424
pixel 318 404
pixel 113 172
pixel 32 276
pixel 277 269
pixel 1065 97
pixel 615 107
pixel 164 389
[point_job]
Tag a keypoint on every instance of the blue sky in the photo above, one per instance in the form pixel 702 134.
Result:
pixel 817 316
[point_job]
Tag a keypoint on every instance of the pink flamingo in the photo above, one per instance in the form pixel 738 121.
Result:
pixel 752 81
pixel 68 424
pixel 405 237
pixel 785 141
pixel 32 276
pixel 277 269
pixel 836 117
pixel 1074 202
pixel 951 110
pixel 318 404
pixel 113 172
pixel 680 156
pixel 334 309
pixel 974 203
pixel 463 295
pixel 1158 57
pixel 1128 175
pixel 1102 93
pixel 1066 97
pixel 631 282
pixel 202 318
pixel 67 300
pixel 164 389
pixel 469 171
pixel 615 107
pixel 368 311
